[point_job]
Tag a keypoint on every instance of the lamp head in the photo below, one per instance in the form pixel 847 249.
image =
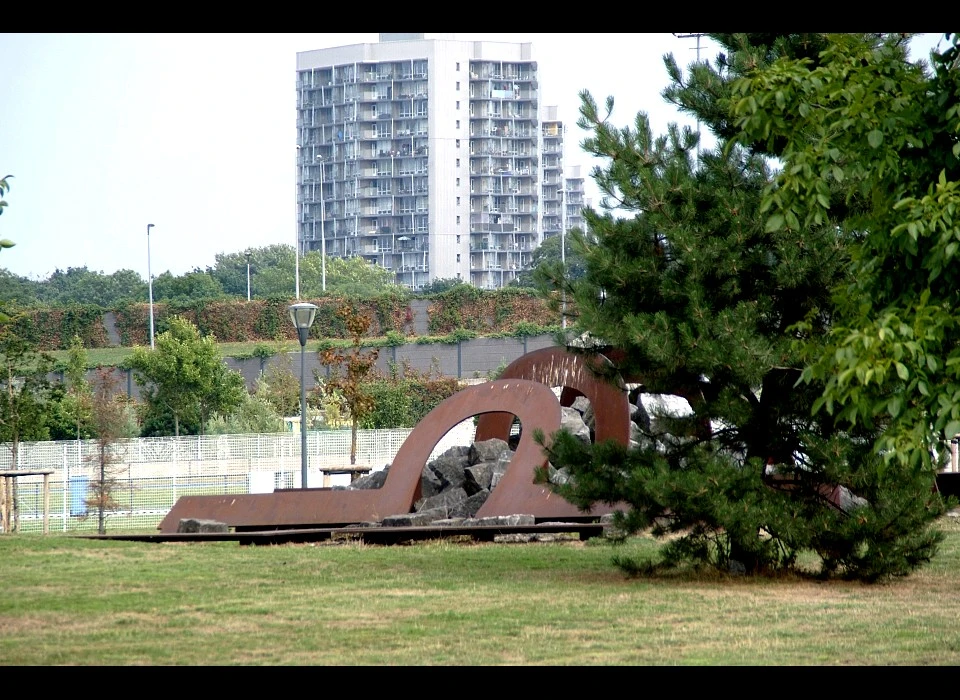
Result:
pixel 302 314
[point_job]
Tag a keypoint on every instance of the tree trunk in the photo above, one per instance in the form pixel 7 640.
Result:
pixel 353 442
pixel 101 525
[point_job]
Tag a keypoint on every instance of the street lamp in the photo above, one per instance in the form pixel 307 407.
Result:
pixel 302 315
pixel 299 212
pixel 248 274
pixel 150 284
pixel 323 238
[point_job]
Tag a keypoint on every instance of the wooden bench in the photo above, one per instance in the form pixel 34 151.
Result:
pixel 354 470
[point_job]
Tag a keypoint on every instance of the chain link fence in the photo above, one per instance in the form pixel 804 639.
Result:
pixel 150 474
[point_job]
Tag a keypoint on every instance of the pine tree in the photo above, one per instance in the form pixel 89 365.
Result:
pixel 697 294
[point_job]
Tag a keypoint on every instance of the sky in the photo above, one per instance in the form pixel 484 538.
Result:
pixel 196 134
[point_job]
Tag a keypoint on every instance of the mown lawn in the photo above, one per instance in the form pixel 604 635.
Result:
pixel 69 600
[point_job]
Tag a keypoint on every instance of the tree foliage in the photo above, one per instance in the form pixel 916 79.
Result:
pixel 871 144
pixel 549 256
pixel 349 370
pixel 4 188
pixel 77 401
pixel 700 294
pixel 24 399
pixel 184 377
pixel 254 414
pixel 109 421
pixel 273 270
pixel 188 288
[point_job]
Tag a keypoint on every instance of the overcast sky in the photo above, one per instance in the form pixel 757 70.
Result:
pixel 196 134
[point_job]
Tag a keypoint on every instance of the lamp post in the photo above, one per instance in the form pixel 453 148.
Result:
pixel 150 284
pixel 248 274
pixel 323 238
pixel 296 249
pixel 302 315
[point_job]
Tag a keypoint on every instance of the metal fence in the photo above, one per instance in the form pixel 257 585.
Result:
pixel 152 473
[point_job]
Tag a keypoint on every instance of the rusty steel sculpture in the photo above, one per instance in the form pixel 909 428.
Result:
pixel 523 391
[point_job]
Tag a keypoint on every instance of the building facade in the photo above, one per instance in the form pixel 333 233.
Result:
pixel 574 200
pixel 420 155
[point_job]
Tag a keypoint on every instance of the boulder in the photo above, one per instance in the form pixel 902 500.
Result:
pixel 445 500
pixel 373 480
pixel 195 525
pixel 426 517
pixel 478 477
pixel 469 507
pixel 430 483
pixel 572 420
pixel 448 467
pixel 487 450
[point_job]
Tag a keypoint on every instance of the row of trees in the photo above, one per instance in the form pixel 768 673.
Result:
pixel 272 271
pixel 797 284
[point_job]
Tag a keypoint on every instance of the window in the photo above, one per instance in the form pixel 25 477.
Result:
pixel 458 123
pixel 458 104
pixel 458 257
pixel 458 66
pixel 458 182
pixel 458 85
pixel 458 223
pixel 458 201
pixel 458 143
pixel 458 162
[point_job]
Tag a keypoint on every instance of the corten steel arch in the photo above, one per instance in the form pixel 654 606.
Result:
pixel 557 367
pixel 532 402
pixel 517 492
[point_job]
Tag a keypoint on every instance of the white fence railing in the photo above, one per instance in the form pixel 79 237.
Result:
pixel 152 473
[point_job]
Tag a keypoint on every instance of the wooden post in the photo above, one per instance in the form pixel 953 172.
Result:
pixel 4 518
pixel 46 504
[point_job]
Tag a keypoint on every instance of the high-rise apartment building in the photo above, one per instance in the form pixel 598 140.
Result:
pixel 551 149
pixel 574 200
pixel 422 156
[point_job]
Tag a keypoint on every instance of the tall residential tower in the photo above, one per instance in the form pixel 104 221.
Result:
pixel 422 156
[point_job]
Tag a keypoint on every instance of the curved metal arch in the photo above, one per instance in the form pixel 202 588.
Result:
pixel 557 367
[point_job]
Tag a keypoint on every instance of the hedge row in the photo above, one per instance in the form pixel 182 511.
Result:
pixel 464 307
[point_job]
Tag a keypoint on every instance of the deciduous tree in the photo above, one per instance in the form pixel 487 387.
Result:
pixel 109 421
pixel 24 397
pixel 186 376
pixel 348 373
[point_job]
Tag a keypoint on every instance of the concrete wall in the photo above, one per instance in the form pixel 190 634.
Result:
pixel 468 359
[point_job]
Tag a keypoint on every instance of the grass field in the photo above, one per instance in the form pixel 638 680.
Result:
pixel 71 601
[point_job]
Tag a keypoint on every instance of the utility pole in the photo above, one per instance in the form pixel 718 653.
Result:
pixel 697 37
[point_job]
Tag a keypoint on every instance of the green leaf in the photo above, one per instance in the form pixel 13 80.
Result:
pixel 875 138
pixel 953 427
pixel 894 405
pixel 902 371
pixel 774 223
